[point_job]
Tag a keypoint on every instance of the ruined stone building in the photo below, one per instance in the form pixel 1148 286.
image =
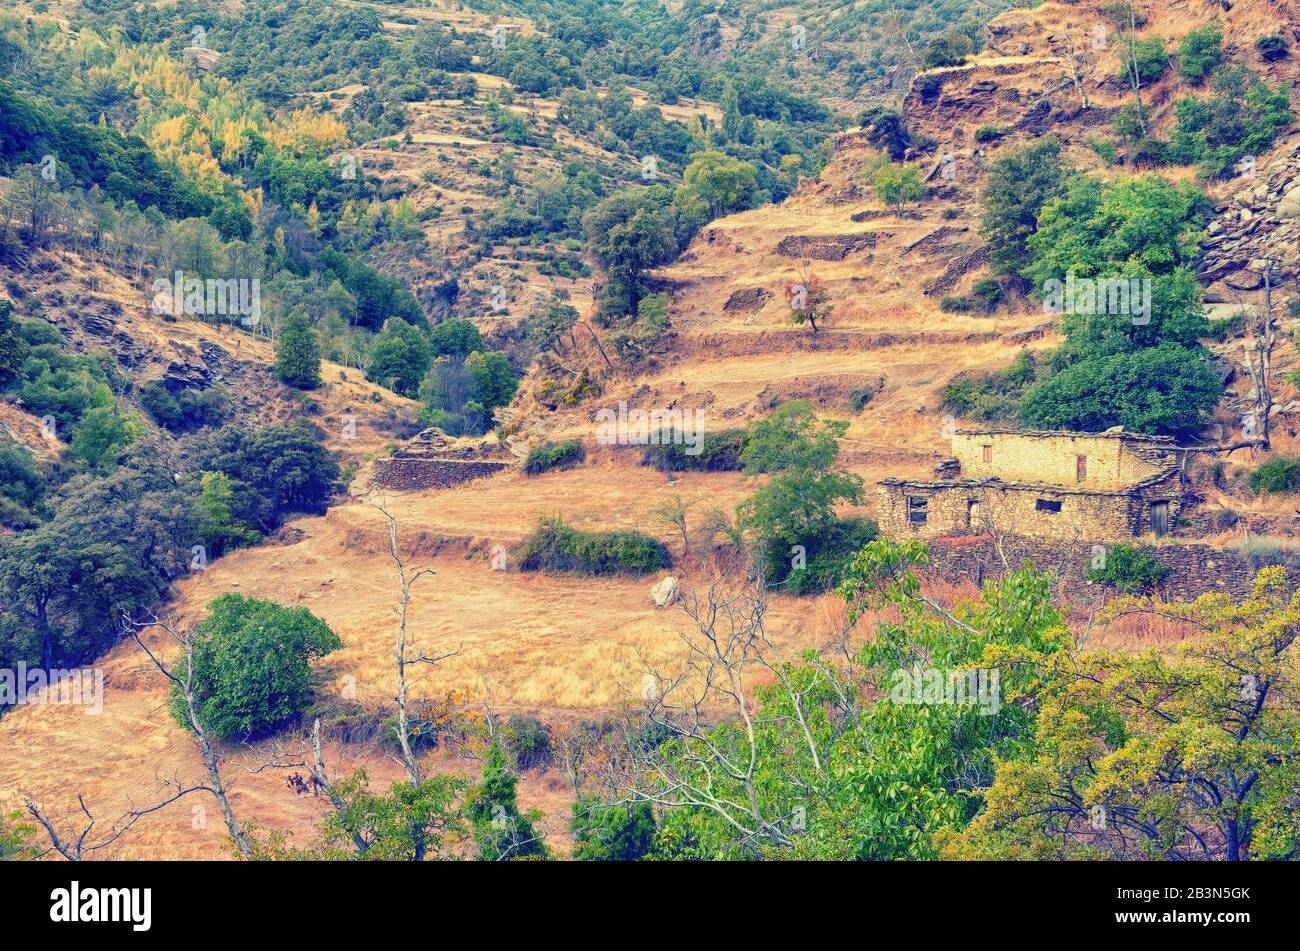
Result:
pixel 1108 486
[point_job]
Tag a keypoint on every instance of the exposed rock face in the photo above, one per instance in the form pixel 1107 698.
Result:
pixel 1259 223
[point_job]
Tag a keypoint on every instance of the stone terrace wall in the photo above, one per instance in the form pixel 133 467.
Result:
pixel 1194 569
pixel 423 473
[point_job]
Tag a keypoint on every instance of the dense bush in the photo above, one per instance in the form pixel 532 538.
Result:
pixel 186 409
pixel 554 456
pixel 1277 475
pixel 1129 570
pixel 252 665
pixel 720 452
pixel 824 559
pixel 528 739
pixel 1199 52
pixel 274 471
pixel 555 546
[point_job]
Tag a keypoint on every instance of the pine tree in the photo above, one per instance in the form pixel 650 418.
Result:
pixel 297 354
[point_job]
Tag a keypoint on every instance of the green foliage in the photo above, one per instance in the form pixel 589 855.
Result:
pixel 501 831
pixel 399 357
pixel 1147 56
pixel 1241 119
pixel 797 505
pixel 792 437
pixel 554 457
pixel 898 185
pixel 214 522
pixel 1123 736
pixel 1199 52
pixel 1277 475
pixel 21 483
pixel 990 133
pixel 528 741
pixel 297 353
pixel 251 665
pixel 555 546
pixel 274 471
pixel 407 822
pixel 185 410
pixel 111 546
pixel 877 779
pixel 13 349
pixel 823 560
pixel 992 397
pixel 454 337
pixel 948 49
pixel 719 452
pixel 612 833
pixel 1166 390
pixel 495 383
pixel 1017 188
pixel 1129 570
pixel 102 435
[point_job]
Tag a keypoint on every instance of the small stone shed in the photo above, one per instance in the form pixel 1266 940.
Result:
pixel 1108 486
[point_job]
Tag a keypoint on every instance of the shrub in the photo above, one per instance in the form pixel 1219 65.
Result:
pixel 554 456
pixel 990 133
pixel 529 741
pixel 1129 570
pixel 1199 52
pixel 1277 475
pixel 252 664
pixel 860 396
pixel 825 557
pixel 1272 47
pixel 555 546
pixel 720 452
pixel 612 833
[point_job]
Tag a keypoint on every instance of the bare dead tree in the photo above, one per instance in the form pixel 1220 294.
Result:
pixel 1134 73
pixel 402 654
pixel 1257 353
pixel 80 845
pixel 726 647
pixel 184 683
pixel 1074 61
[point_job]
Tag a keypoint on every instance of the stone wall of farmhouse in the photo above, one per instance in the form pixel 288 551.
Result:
pixel 1033 512
pixel 1195 569
pixel 1112 462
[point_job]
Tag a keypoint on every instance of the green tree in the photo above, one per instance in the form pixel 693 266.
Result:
pixel 500 829
pixel 252 664
pixel 102 435
pixel 1165 390
pixel 454 337
pixel 214 523
pixel 407 822
pixel 399 357
pixel 612 833
pixel 297 353
pixel 1173 755
pixel 13 349
pixel 1017 188
pixel 494 382
pixel 898 185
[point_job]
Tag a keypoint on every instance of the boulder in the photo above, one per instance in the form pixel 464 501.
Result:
pixel 664 592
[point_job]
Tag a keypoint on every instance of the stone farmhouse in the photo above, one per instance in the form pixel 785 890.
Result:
pixel 1109 486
